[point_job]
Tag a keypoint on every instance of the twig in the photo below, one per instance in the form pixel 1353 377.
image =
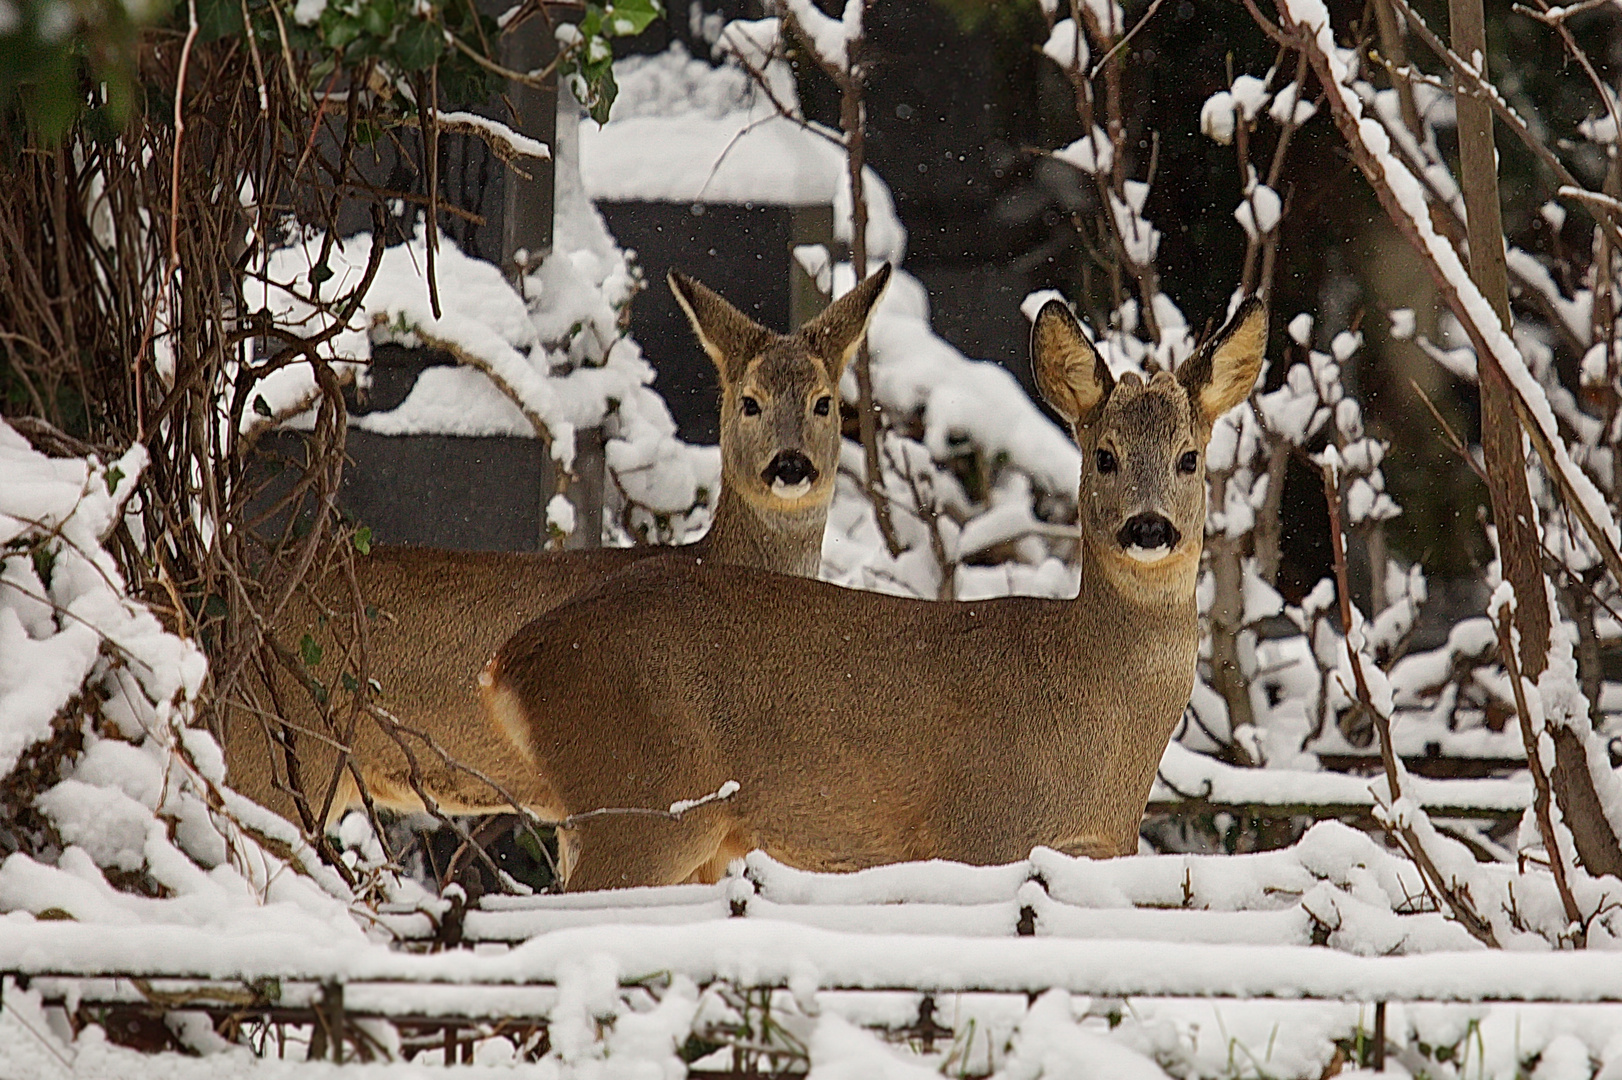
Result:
pixel 1474 83
pixel 173 263
pixel 1415 232
pixel 675 812
pixel 1119 45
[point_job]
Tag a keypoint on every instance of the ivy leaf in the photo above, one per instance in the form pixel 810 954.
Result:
pixel 44 563
pixel 342 31
pixel 350 683
pixel 420 43
pixel 215 607
pixel 375 19
pixel 363 539
pixel 261 406
pixel 218 18
pixel 114 476
pixel 309 651
pixel 627 18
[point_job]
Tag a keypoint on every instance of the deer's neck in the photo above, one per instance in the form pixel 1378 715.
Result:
pixel 1154 598
pixel 1118 667
pixel 781 541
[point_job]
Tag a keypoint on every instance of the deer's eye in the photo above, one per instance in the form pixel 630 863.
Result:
pixel 1188 462
pixel 751 407
pixel 823 405
pixel 1106 461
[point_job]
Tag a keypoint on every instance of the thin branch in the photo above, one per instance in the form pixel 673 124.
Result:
pixel 1461 907
pixel 1543 796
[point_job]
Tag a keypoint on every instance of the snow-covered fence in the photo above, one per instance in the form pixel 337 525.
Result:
pixel 1188 782
pixel 896 949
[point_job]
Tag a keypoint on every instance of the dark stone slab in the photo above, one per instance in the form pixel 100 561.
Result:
pixel 446 491
pixel 744 252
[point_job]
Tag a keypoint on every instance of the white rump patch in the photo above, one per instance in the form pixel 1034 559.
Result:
pixel 1148 555
pixel 790 491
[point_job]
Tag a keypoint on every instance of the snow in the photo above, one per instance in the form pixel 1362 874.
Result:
pixel 560 515
pixel 720 794
pixel 752 951
pixel 1092 153
pixel 1259 213
pixel 684 132
pixel 1067 45
pixel 828 39
pixel 1249 95
pixel 1288 108
pixel 1217 117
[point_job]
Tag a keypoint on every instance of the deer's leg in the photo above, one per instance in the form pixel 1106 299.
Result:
pixel 624 852
pixel 735 844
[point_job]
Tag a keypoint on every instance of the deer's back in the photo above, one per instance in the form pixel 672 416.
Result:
pixel 862 728
pixel 433 618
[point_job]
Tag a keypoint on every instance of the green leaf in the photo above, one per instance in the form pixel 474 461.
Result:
pixel 218 18
pixel 320 272
pixel 261 406
pixel 419 44
pixel 603 90
pixel 363 539
pixel 114 476
pixel 342 31
pixel 375 19
pixel 309 651
pixel 44 563
pixel 351 683
pixel 627 18
pixel 215 606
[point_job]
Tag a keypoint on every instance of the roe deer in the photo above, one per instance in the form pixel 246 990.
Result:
pixel 867 729
pixel 441 614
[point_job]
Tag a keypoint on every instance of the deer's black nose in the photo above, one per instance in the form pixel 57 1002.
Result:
pixel 789 467
pixel 1148 531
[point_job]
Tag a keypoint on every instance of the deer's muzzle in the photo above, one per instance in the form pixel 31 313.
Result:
pixel 1148 537
pixel 790 474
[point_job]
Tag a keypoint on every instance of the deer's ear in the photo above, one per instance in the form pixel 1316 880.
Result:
pixel 1223 372
pixel 837 333
pixel 731 338
pixel 1069 372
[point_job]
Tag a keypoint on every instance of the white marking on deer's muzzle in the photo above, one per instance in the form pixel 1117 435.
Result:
pixel 1148 555
pixel 789 492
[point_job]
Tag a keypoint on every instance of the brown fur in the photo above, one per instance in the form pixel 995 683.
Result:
pixel 868 729
pixel 442 614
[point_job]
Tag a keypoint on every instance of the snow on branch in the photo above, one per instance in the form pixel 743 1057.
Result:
pixel 828 39
pixel 503 141
pixel 675 812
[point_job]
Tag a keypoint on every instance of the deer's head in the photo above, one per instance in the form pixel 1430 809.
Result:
pixel 780 392
pixel 1142 496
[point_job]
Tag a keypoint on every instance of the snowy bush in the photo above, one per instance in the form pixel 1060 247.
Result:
pixel 115 804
